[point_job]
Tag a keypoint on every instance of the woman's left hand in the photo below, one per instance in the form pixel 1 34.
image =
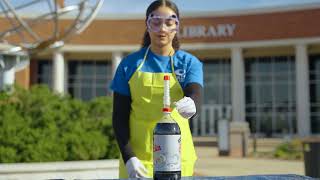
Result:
pixel 186 107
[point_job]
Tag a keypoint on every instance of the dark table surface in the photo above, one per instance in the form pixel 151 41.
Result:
pixel 250 177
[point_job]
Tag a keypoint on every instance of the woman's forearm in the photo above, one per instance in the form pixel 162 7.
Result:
pixel 120 123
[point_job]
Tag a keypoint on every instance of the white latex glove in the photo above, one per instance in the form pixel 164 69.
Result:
pixel 186 107
pixel 135 168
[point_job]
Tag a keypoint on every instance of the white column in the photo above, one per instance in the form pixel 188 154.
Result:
pixel 302 90
pixel 7 72
pixel 116 59
pixel 58 72
pixel 8 77
pixel 239 128
pixel 237 84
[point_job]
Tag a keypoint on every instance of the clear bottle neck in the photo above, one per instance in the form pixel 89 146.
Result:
pixel 166 117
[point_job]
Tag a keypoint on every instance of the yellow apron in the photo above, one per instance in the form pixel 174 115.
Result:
pixel 147 101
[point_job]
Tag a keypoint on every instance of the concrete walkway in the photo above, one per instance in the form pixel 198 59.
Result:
pixel 210 164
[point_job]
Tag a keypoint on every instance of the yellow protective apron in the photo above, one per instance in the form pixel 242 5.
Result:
pixel 146 110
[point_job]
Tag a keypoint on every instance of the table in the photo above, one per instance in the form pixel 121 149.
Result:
pixel 249 177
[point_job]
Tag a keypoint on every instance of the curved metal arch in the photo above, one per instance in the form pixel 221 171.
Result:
pixel 38 43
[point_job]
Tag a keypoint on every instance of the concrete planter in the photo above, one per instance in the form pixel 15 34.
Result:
pixel 98 169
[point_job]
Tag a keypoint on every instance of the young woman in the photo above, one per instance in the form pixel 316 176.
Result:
pixel 138 92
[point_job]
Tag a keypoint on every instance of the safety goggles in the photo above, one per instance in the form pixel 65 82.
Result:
pixel 169 23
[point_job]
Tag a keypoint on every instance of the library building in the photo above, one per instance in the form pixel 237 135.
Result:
pixel 261 66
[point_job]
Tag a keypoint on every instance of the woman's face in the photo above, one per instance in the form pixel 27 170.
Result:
pixel 162 26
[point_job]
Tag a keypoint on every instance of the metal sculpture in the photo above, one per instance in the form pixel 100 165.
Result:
pixel 22 35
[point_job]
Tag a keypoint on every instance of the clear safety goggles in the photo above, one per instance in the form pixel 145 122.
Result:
pixel 168 23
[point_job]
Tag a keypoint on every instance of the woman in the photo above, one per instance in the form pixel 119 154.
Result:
pixel 138 92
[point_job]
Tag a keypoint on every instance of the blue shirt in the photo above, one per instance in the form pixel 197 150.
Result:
pixel 187 67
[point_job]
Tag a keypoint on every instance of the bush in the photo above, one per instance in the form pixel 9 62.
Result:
pixel 291 150
pixel 38 126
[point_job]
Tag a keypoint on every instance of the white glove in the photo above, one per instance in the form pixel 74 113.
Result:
pixel 186 107
pixel 135 168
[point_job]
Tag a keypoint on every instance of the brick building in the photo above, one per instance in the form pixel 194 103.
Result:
pixel 264 64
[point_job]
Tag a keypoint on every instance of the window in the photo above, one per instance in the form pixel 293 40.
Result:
pixel 314 70
pixel 89 79
pixel 217 80
pixel 45 72
pixel 270 95
pixel 216 97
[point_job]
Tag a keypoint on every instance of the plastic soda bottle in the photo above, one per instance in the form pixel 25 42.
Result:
pixel 166 143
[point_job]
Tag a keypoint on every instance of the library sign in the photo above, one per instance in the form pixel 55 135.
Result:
pixel 211 31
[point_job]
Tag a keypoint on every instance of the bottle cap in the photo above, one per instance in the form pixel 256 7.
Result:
pixel 166 109
pixel 166 77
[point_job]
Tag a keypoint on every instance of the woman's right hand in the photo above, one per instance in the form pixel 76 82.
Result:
pixel 135 168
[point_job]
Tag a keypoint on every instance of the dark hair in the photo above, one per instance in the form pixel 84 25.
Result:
pixel 153 6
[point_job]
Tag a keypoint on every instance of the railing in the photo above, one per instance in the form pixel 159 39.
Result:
pixel 206 123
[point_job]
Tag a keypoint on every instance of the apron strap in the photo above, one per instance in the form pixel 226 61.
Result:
pixel 145 58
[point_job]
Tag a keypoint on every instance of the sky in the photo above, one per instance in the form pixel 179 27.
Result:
pixel 139 6
pixel 185 6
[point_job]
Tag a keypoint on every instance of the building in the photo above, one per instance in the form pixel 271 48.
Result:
pixel 264 64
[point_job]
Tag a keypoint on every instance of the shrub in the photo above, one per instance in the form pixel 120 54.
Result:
pixel 291 150
pixel 37 125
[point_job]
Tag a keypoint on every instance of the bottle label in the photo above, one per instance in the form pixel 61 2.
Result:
pixel 166 152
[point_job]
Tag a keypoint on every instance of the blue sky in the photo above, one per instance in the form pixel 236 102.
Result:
pixel 185 6
pixel 139 6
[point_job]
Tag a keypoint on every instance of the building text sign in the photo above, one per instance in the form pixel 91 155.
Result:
pixel 211 31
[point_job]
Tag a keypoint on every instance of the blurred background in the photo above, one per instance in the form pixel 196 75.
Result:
pixel 261 94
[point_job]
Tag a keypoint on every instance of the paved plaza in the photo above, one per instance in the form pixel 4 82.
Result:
pixel 210 164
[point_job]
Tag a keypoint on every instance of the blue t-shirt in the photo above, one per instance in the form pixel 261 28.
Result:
pixel 187 67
